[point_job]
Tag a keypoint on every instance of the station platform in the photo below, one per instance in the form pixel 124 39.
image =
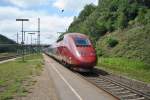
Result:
pixel 69 86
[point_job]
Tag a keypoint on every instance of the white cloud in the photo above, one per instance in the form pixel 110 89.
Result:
pixel 60 4
pixel 9 12
pixel 50 24
pixel 28 3
pixel 73 5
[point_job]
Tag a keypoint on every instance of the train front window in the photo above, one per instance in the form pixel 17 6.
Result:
pixel 82 42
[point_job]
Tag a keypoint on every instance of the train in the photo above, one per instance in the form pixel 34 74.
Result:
pixel 75 50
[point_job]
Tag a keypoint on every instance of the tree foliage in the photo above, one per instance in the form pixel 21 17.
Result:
pixel 112 42
pixel 5 40
pixel 88 9
pixel 5 48
pixel 109 16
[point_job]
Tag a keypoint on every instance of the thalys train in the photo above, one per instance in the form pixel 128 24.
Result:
pixel 74 50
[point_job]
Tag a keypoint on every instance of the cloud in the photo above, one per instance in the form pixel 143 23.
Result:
pixel 50 24
pixel 72 5
pixel 28 3
pixel 32 9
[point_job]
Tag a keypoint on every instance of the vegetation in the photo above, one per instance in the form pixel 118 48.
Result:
pixel 5 40
pixel 17 76
pixel 6 48
pixel 108 16
pixel 112 42
pixel 119 29
pixel 133 44
pixel 132 68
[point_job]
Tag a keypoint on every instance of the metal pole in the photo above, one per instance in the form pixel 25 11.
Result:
pixel 27 45
pixel 31 45
pixel 35 43
pixel 24 36
pixel 22 43
pixel 39 35
pixel 31 39
pixel 27 39
pixel 17 37
pixel 17 43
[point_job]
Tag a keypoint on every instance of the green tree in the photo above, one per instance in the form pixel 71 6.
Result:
pixel 122 21
pixel 88 9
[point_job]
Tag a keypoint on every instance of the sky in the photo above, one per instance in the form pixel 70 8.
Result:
pixel 52 18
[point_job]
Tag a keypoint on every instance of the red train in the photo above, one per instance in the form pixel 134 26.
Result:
pixel 75 50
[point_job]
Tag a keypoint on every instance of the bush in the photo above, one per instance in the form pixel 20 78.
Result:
pixel 122 21
pixel 99 52
pixel 112 42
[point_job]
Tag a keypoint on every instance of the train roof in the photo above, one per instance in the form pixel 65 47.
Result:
pixel 70 35
pixel 74 34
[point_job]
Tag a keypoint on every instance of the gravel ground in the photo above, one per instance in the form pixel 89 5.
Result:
pixel 43 89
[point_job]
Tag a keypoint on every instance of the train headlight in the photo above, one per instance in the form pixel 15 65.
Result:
pixel 78 54
pixel 82 53
pixel 92 53
pixel 70 58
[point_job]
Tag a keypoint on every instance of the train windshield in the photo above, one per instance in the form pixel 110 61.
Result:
pixel 82 41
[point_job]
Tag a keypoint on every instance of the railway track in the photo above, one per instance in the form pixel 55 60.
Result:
pixel 117 89
pixel 7 57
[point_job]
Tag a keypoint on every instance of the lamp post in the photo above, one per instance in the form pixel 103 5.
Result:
pixel 17 44
pixel 22 43
pixel 38 39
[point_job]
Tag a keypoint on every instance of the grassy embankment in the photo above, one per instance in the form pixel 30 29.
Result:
pixel 16 77
pixel 120 30
pixel 132 68
pixel 130 57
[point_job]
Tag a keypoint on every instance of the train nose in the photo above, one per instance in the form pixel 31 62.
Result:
pixel 88 58
pixel 87 53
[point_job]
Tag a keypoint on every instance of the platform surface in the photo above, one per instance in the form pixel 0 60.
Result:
pixel 70 86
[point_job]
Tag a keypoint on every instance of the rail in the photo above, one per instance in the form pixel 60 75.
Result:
pixel 117 89
pixel 8 57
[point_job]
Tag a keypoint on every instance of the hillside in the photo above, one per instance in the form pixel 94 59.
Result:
pixel 120 31
pixel 132 43
pixel 6 48
pixel 118 28
pixel 5 40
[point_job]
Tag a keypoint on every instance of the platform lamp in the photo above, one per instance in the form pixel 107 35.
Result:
pixel 22 42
